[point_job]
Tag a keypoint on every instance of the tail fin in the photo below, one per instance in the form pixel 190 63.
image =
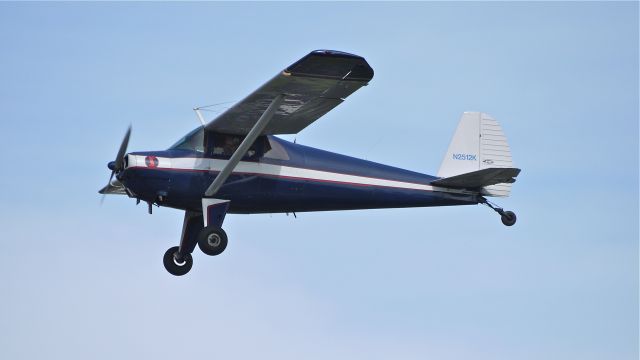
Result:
pixel 478 144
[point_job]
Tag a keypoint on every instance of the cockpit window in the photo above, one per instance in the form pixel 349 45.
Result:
pixel 193 141
pixel 225 145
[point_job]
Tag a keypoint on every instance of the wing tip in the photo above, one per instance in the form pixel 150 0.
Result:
pixel 318 63
pixel 335 53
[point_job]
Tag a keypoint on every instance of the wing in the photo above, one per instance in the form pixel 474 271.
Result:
pixel 312 86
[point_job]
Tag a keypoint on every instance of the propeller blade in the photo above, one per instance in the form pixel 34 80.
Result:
pixel 123 149
pixel 116 187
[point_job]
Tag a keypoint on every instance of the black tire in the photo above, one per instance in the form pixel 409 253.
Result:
pixel 508 218
pixel 212 240
pixel 172 266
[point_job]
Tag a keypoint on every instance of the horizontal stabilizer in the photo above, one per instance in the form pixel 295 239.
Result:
pixel 480 178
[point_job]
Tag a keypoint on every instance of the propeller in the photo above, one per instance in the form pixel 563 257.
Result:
pixel 115 167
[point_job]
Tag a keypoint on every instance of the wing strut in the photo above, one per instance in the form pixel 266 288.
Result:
pixel 251 137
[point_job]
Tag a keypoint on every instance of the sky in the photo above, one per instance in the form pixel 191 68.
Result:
pixel 81 280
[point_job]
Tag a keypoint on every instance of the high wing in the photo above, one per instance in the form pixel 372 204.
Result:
pixel 311 87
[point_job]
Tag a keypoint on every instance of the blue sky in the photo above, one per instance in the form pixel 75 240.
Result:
pixel 83 280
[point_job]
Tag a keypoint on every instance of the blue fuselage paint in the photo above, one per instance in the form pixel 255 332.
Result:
pixel 260 193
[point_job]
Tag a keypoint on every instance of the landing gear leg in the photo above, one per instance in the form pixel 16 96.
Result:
pixel 178 260
pixel 508 217
pixel 212 240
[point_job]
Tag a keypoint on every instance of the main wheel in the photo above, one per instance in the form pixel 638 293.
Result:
pixel 175 267
pixel 508 218
pixel 212 240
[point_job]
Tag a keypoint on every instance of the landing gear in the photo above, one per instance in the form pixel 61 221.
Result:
pixel 178 260
pixel 508 217
pixel 212 240
pixel 177 264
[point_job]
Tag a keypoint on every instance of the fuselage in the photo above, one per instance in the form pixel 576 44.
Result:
pixel 288 178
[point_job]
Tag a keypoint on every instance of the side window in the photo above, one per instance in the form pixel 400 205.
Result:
pixel 274 150
pixel 224 146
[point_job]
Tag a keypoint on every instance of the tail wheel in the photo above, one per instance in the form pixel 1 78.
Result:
pixel 175 264
pixel 508 218
pixel 212 240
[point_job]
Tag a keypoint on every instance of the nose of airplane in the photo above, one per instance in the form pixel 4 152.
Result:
pixel 111 165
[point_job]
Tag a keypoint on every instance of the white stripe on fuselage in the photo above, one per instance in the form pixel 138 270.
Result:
pixel 246 167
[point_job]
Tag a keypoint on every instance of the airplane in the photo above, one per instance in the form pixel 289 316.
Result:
pixel 235 164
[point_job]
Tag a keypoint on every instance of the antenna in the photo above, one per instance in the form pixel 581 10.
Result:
pixel 200 117
pixel 199 110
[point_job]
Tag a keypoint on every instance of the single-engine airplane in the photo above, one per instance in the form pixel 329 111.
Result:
pixel 234 163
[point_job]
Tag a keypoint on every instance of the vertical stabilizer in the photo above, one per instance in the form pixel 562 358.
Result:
pixel 478 143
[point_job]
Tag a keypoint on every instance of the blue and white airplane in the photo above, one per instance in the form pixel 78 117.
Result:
pixel 234 164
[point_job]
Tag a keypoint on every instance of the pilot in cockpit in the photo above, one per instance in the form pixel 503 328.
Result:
pixel 226 145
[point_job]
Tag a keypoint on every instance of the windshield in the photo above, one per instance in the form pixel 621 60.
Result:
pixel 193 141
